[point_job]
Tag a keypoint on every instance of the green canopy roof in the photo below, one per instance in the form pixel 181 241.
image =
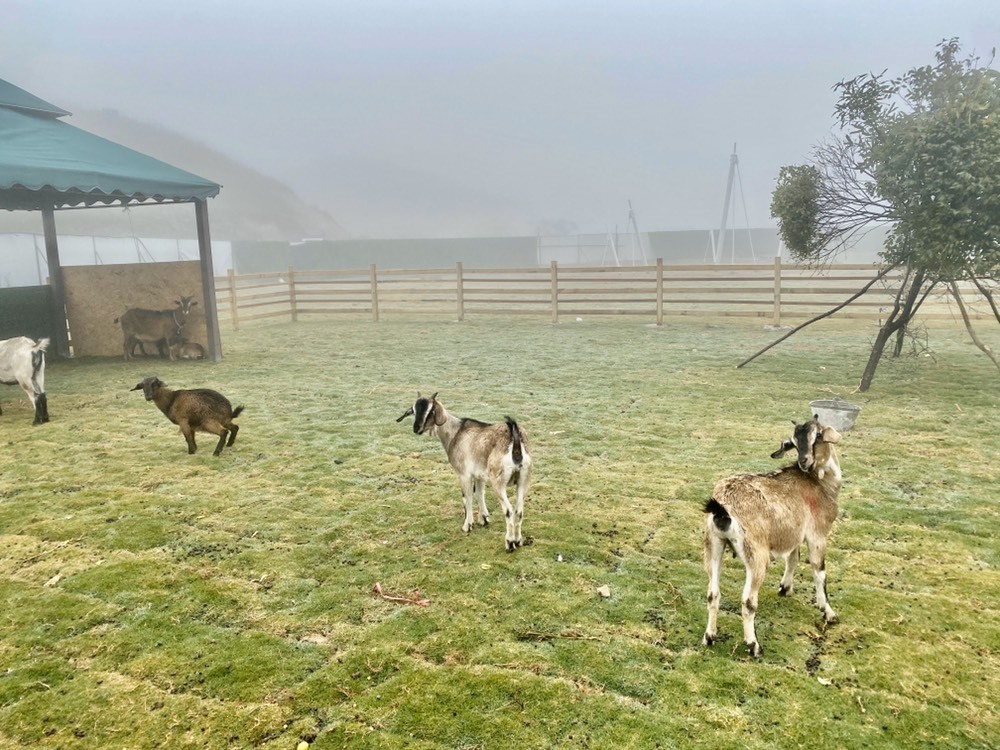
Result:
pixel 45 162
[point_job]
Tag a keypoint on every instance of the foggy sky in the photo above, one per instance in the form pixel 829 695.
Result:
pixel 437 119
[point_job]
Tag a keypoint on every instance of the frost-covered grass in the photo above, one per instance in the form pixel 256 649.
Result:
pixel 155 599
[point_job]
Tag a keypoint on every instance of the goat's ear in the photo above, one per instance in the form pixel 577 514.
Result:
pixel 193 303
pixel 407 413
pixel 438 414
pixel 830 435
pixel 138 387
pixel 785 447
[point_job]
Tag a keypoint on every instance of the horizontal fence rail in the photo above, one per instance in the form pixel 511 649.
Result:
pixel 781 292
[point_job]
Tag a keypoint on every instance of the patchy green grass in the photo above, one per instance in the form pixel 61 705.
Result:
pixel 155 599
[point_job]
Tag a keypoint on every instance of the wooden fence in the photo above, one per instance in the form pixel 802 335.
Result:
pixel 782 292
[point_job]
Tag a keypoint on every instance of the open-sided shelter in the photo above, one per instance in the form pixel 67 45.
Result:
pixel 48 165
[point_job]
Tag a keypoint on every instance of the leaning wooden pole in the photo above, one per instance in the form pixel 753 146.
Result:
pixel 809 322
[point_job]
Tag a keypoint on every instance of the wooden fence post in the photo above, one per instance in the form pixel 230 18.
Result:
pixel 460 290
pixel 374 283
pixel 555 291
pixel 777 290
pixel 291 294
pixel 659 291
pixel 234 307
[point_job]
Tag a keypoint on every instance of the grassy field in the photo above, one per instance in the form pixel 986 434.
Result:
pixel 155 599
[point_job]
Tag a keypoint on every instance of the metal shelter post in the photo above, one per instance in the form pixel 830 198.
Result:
pixel 208 280
pixel 55 279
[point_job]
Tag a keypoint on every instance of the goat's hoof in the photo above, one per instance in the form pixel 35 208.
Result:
pixel 484 521
pixel 831 618
pixel 707 640
pixel 511 546
pixel 784 590
pixel 754 649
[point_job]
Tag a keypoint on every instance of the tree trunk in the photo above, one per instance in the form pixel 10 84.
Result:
pixel 902 311
pixel 906 315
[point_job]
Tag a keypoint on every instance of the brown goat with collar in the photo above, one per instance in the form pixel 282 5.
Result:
pixel 198 409
pixel 480 453
pixel 760 516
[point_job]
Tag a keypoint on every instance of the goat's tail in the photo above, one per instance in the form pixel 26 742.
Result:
pixel 237 411
pixel 516 451
pixel 720 516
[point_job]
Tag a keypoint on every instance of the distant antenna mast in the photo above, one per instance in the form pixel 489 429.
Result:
pixel 720 244
pixel 729 207
pixel 636 237
pixel 611 244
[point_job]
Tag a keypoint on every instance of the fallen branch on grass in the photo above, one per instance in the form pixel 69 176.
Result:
pixel 415 599
pixel 533 635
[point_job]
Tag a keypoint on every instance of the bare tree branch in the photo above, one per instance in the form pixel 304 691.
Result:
pixel 968 326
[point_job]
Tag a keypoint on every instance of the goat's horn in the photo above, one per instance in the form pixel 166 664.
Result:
pixel 405 414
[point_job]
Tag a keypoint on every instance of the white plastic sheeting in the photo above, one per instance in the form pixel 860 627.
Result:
pixel 22 256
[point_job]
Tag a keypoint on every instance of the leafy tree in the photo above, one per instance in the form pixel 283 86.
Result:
pixel 919 154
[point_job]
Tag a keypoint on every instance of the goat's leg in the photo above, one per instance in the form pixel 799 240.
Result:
pixel 788 577
pixel 714 549
pixel 222 441
pixel 817 558
pixel 468 489
pixel 188 434
pixel 500 488
pixel 523 477
pixel 479 487
pixel 41 409
pixel 233 429
pixel 755 577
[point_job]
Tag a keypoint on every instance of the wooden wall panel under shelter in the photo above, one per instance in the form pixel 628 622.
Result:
pixel 96 295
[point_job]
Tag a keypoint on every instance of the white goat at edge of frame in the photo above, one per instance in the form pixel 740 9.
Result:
pixel 22 362
pixel 480 452
pixel 760 516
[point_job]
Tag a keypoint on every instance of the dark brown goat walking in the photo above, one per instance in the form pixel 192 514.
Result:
pixel 193 410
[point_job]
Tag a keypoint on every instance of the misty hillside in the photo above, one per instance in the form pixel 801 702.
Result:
pixel 251 206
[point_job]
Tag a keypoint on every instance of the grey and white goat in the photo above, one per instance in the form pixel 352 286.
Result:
pixel 141 326
pixel 197 409
pixel 760 516
pixel 480 453
pixel 22 362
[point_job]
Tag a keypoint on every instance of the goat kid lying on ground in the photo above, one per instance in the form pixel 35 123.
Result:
pixel 760 516
pixel 181 348
pixel 22 362
pixel 480 453
pixel 196 409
